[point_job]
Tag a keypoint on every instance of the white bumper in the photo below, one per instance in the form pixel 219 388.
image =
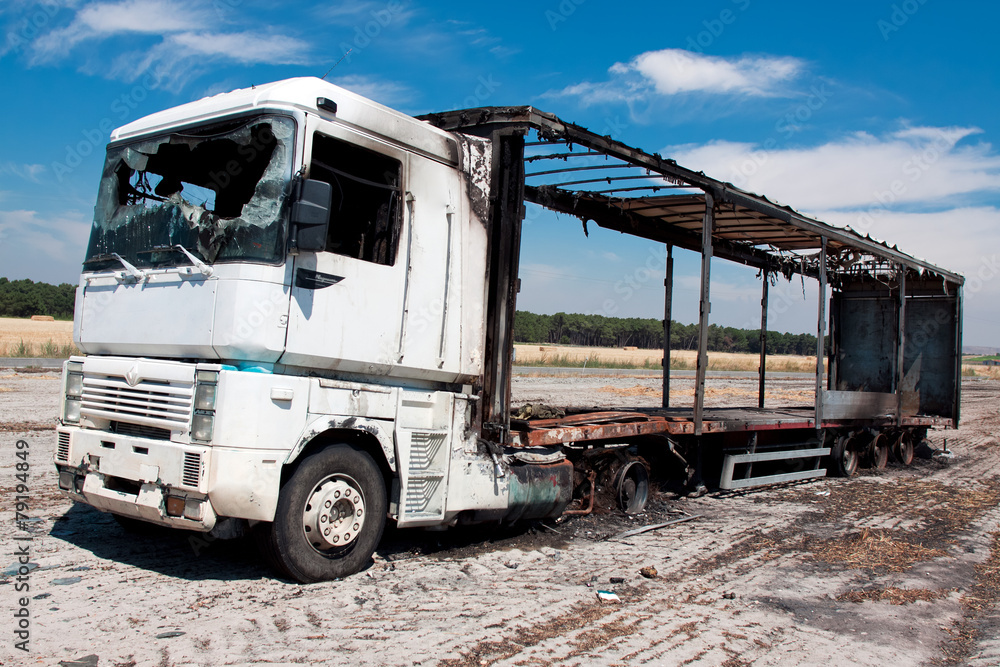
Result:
pixel 135 476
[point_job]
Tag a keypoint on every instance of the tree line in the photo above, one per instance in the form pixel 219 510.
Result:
pixel 647 333
pixel 24 298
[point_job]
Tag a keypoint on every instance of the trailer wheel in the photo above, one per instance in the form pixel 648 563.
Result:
pixel 844 457
pixel 902 449
pixel 878 451
pixel 329 518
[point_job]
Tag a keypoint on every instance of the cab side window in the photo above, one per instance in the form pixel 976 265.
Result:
pixel 365 216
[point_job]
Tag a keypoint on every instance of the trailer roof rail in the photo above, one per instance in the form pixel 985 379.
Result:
pixel 748 228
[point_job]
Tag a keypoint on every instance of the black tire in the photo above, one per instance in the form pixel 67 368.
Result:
pixel 843 457
pixel 878 451
pixel 902 449
pixel 346 483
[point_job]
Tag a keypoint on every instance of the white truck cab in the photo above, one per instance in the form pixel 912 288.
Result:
pixel 282 312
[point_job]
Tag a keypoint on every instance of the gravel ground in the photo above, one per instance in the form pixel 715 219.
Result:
pixel 807 573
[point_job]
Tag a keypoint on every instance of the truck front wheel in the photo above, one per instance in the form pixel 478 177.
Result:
pixel 329 518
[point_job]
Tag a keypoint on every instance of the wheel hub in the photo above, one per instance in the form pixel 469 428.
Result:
pixel 334 514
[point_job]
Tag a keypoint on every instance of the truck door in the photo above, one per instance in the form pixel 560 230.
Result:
pixel 347 301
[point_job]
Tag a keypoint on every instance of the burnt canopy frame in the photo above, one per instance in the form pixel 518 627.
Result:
pixel 702 214
pixel 749 228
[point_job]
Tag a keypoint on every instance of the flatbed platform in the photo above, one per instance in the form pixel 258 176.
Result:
pixel 583 425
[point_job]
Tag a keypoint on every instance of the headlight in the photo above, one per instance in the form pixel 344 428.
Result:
pixel 204 393
pixel 204 397
pixel 203 421
pixel 202 426
pixel 74 384
pixel 74 378
pixel 71 414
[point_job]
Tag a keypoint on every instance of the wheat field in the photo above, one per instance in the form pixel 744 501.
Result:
pixel 31 338
pixel 563 355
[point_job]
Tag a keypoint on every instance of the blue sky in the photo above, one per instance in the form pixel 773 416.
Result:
pixel 877 115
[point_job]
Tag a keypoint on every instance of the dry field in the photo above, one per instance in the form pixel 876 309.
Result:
pixel 606 357
pixel 37 337
pixel 562 355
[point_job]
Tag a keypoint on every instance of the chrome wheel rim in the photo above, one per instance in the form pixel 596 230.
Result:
pixel 334 514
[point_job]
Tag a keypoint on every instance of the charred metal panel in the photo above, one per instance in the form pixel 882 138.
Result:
pixel 932 353
pixel 539 491
pixel 865 339
pixel 858 404
pixel 505 214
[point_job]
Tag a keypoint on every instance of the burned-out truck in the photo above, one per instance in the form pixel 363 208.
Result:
pixel 296 313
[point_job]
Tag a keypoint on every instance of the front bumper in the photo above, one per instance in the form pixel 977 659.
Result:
pixel 153 480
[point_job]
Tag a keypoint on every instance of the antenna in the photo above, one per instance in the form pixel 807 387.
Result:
pixel 336 63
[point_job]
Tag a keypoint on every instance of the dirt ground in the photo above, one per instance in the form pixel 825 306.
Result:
pixel 897 567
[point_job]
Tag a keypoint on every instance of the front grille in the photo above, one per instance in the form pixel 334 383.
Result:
pixel 192 469
pixel 62 451
pixel 140 431
pixel 163 405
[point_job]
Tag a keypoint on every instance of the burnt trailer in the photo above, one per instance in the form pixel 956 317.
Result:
pixel 287 329
pixel 891 368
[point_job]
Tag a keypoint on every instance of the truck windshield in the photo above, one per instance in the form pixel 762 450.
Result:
pixel 218 191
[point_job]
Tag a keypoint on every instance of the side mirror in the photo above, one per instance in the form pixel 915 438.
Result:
pixel 311 215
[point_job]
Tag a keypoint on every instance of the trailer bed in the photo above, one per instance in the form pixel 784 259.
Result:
pixel 594 425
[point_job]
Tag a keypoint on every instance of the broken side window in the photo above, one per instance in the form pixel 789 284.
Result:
pixel 365 215
pixel 218 191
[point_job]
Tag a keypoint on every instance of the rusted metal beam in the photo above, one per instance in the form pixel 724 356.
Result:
pixel 820 335
pixel 626 222
pixel 763 343
pixel 705 309
pixel 900 345
pixel 668 298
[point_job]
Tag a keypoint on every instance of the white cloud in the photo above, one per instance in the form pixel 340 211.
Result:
pixel 29 172
pixel 184 47
pixel 922 188
pixel 389 93
pixel 102 20
pixel 672 72
pixel 914 165
pixel 958 239
pixel 182 56
pixel 244 47
pixel 359 14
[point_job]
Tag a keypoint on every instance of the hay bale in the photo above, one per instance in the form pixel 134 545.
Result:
pixel 43 318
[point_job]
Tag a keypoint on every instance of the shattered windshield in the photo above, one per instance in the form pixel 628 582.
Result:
pixel 219 192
